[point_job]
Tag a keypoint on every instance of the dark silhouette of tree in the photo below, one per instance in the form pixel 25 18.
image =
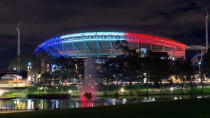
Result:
pixel 156 69
pixel 44 57
pixel 46 78
pixel 183 70
pixel 111 69
pixel 65 69
pixel 131 67
pixel 79 69
pixel 130 61
pixel 35 60
pixel 204 68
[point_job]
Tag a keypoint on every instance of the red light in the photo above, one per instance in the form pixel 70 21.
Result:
pixel 154 40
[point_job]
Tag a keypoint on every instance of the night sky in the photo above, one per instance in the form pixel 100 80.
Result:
pixel 182 20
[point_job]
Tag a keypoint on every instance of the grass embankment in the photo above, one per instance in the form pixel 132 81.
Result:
pixel 111 91
pixel 12 93
pixel 195 108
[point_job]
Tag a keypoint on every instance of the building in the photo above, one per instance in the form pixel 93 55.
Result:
pixel 12 80
pixel 106 44
pixel 99 45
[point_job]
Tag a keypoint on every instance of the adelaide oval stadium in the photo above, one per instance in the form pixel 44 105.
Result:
pixel 104 44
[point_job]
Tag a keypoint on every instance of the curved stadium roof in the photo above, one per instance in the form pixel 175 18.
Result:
pixel 102 43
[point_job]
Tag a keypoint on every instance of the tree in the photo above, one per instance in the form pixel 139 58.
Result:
pixel 111 69
pixel 24 60
pixel 130 61
pixel 206 64
pixel 156 70
pixel 106 71
pixel 205 68
pixel 131 67
pixel 65 68
pixel 183 70
pixel 44 57
pixel 46 78
pixel 33 58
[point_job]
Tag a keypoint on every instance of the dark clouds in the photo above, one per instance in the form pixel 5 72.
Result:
pixel 182 20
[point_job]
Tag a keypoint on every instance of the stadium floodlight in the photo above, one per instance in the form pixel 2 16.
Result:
pixel 18 30
pixel 18 45
pixel 206 23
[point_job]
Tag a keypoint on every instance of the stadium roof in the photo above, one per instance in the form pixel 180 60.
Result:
pixel 100 43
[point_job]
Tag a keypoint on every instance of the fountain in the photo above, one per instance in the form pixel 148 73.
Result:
pixel 88 86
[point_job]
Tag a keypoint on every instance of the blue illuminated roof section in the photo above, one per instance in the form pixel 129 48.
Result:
pixel 93 34
pixel 80 37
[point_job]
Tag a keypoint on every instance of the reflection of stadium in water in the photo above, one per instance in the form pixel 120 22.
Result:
pixel 31 104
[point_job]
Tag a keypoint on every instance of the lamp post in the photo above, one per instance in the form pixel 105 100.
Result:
pixel 29 74
pixel 206 24
pixel 70 91
pixel 78 90
pixel 122 90
pixel 172 89
pixel 1 93
pixel 199 70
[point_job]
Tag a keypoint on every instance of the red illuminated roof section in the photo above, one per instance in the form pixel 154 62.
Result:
pixel 135 37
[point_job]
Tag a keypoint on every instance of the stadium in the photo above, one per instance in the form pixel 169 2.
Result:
pixel 104 44
pixel 94 46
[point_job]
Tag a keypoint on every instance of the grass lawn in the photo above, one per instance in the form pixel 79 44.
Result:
pixel 15 93
pixel 196 108
pixel 111 92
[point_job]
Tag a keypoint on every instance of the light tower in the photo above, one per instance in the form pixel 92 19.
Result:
pixel 206 22
pixel 18 46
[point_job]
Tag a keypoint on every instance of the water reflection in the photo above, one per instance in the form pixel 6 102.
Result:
pixel 31 104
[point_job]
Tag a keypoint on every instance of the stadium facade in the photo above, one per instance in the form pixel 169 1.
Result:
pixel 104 44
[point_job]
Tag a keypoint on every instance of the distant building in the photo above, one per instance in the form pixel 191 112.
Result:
pixel 12 80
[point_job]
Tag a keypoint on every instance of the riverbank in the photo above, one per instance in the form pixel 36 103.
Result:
pixel 108 91
pixel 194 108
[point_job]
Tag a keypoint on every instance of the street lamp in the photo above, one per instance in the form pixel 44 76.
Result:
pixel 122 90
pixel 70 91
pixel 199 69
pixel 172 89
pixel 1 93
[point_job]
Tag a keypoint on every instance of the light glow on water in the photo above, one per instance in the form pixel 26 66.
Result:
pixel 31 104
